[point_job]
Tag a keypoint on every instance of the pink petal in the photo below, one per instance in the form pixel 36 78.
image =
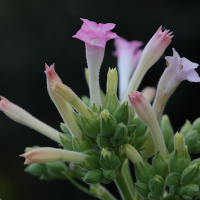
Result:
pixel 192 76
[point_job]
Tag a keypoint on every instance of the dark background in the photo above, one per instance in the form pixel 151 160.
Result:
pixel 40 31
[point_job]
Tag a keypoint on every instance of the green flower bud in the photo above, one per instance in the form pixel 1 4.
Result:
pixel 173 179
pixel 109 174
pixel 67 142
pixel 171 145
pixel 121 114
pixel 56 169
pixel 190 174
pixel 179 143
pixel 111 102
pixel 82 145
pixel 108 123
pixel 139 142
pixel 166 129
pixel 92 162
pixel 142 189
pixel 189 190
pixel 160 165
pixel 144 172
pixel 186 127
pixel 196 161
pixel 177 165
pixel 65 129
pixel 196 125
pixel 152 196
pixel 131 130
pixel 94 176
pixel 120 131
pixel 157 185
pixel 131 114
pixel 103 141
pixel 85 100
pixel 109 160
pixel 91 126
pixel 141 127
pixel 36 169
pixel 191 139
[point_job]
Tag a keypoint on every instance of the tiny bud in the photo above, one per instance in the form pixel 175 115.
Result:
pixel 191 139
pixel 173 179
pixel 103 141
pixel 186 127
pixel 112 81
pixel 196 125
pixel 177 165
pixel 190 174
pixel 189 190
pixel 142 189
pixel 121 114
pixel 120 131
pixel 109 160
pixel 108 123
pixel 157 185
pixel 94 176
pixel 179 143
pixel 91 126
pixel 160 165
pixel 109 174
pixel 166 129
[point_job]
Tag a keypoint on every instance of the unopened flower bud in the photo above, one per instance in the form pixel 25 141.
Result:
pixel 152 196
pixel 121 114
pixel 186 127
pixel 92 161
pixel 109 174
pixel 190 174
pixel 66 141
pixel 160 165
pixel 157 185
pixel 56 169
pixel 91 126
pixel 191 139
pixel 94 176
pixel 109 160
pixel 176 164
pixel 166 129
pixel 82 145
pixel 179 143
pixel 196 125
pixel 103 141
pixel 120 131
pixel 189 190
pixel 141 127
pixel 108 123
pixel 142 189
pixel 173 179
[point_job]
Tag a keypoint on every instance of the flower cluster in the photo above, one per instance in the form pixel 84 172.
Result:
pixel 99 133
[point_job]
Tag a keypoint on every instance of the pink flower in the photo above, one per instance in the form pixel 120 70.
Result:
pixel 21 116
pixel 146 113
pixel 95 34
pixel 151 53
pixel 60 103
pixel 46 154
pixel 178 69
pixel 128 54
pixel 95 37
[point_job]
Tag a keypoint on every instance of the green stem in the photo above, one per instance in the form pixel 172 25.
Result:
pixel 127 176
pixel 122 186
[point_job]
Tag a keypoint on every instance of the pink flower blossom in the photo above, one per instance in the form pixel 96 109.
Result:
pixel 95 37
pixel 146 113
pixel 151 53
pixel 128 54
pixel 178 69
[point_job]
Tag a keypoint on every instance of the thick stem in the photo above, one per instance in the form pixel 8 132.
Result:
pixel 127 175
pixel 122 186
